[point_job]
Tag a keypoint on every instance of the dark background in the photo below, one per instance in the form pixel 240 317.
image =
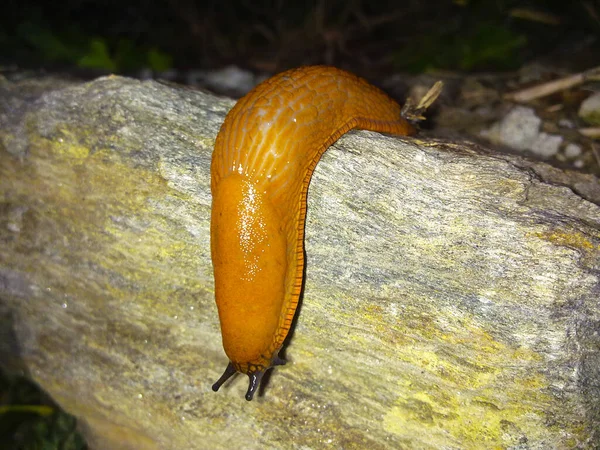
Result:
pixel 87 38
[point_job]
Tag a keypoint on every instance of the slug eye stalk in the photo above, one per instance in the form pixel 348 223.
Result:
pixel 255 377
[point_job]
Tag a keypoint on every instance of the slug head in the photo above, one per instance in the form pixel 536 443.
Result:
pixel 254 376
pixel 250 261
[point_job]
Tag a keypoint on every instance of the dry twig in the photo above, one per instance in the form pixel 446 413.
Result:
pixel 544 89
pixel 415 113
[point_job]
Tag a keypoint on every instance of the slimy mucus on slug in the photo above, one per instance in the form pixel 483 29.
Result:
pixel 264 157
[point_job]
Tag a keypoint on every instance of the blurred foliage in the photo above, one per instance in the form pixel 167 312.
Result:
pixel 487 45
pixel 72 47
pixel 29 420
pixel 274 34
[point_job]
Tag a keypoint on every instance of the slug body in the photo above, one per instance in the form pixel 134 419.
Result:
pixel 264 157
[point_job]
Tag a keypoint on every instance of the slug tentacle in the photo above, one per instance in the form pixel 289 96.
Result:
pixel 229 372
pixel 255 377
pixel 264 157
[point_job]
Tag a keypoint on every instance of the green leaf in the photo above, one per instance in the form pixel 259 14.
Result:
pixel 159 61
pixel 41 410
pixel 97 57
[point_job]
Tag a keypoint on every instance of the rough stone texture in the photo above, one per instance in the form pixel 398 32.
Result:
pixel 451 298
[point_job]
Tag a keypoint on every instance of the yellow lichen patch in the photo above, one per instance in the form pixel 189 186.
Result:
pixel 471 390
pixel 66 147
pixel 572 239
pixel 475 421
pixel 107 214
pixel 467 387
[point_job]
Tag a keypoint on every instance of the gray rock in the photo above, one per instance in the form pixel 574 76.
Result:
pixel 546 145
pixel 519 129
pixel 451 296
pixel 572 151
pixel 590 109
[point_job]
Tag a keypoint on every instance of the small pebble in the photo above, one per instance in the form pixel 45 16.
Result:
pixel 590 109
pixel 547 145
pixel 572 151
pixel 520 128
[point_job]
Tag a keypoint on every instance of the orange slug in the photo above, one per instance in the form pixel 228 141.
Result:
pixel 264 157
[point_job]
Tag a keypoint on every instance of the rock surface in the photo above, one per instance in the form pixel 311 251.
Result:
pixel 451 296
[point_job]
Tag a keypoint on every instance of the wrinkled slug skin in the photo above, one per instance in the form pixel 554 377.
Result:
pixel 264 157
